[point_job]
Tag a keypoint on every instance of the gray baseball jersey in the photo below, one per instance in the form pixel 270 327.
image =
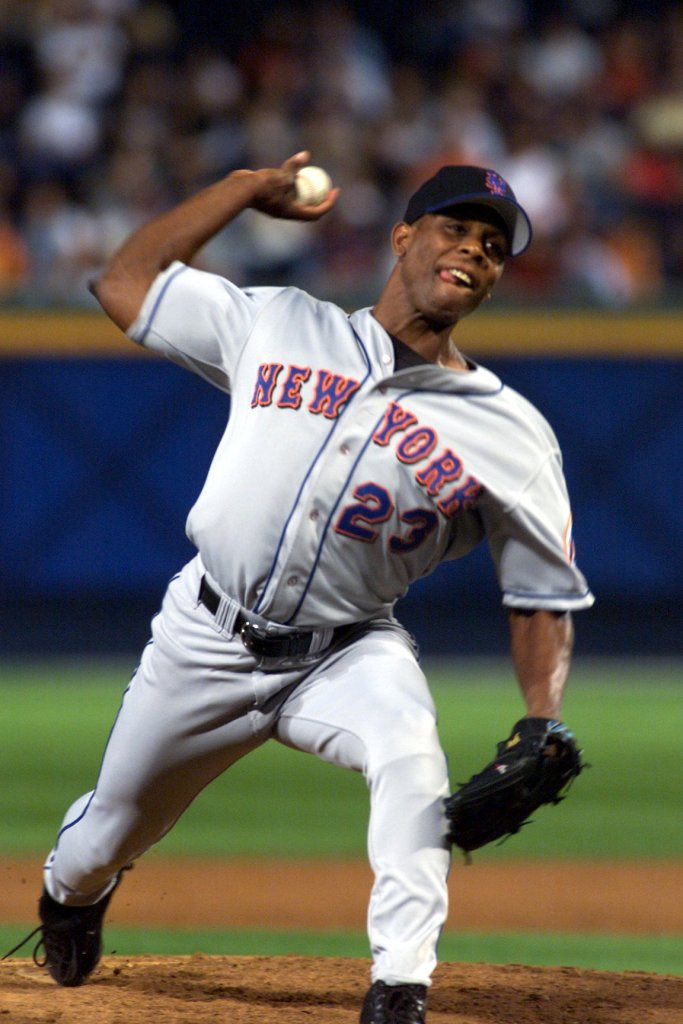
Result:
pixel 386 474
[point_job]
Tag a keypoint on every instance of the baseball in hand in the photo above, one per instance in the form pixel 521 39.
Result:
pixel 312 185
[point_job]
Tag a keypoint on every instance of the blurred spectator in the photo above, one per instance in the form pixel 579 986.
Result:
pixel 348 65
pixel 615 267
pixel 59 135
pixel 212 125
pixel 81 48
pixel 538 173
pixel 111 110
pixel 409 128
pixel 14 261
pixel 63 245
pixel 562 62
pixel 630 62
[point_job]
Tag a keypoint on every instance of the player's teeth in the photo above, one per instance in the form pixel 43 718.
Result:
pixel 460 275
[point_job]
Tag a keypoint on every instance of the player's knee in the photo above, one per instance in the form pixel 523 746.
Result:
pixel 408 754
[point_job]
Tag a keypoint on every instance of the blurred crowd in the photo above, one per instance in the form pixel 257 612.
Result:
pixel 112 110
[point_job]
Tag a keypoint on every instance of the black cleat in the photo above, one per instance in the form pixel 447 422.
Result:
pixel 394 1004
pixel 71 938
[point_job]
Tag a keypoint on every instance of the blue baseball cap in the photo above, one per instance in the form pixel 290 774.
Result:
pixel 459 184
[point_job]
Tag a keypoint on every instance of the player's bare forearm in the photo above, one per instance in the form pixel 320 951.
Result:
pixel 181 232
pixel 541 646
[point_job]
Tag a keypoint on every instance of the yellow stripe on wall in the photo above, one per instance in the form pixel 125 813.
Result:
pixel 508 333
pixel 572 334
pixel 68 335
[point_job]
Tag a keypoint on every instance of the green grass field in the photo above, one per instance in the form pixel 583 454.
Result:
pixel 56 718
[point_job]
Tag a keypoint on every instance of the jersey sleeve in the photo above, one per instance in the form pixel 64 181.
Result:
pixel 198 320
pixel 532 546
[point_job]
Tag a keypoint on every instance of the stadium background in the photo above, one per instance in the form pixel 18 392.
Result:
pixel 104 448
pixel 113 109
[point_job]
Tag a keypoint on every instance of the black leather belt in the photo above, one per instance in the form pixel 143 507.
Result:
pixel 255 638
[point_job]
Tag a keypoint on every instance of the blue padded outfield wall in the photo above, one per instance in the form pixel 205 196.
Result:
pixel 104 449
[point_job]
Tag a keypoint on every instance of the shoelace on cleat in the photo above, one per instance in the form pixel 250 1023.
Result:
pixel 52 953
pixel 23 942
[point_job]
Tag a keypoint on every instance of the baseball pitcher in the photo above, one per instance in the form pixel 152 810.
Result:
pixel 360 452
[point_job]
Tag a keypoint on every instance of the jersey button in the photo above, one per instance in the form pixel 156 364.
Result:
pixel 344 449
pixel 314 515
pixel 292 581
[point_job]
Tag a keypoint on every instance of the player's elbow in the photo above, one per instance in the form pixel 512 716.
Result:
pixel 118 296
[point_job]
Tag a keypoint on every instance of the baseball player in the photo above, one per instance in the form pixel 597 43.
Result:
pixel 360 452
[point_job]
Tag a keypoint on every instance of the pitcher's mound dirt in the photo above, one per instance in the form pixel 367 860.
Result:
pixel 300 990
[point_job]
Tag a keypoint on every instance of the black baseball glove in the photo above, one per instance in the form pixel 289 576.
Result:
pixel 534 766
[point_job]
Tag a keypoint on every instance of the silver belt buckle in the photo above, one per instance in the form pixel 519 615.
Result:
pixel 253 637
pixel 259 642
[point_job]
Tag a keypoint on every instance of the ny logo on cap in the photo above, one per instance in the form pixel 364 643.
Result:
pixel 495 183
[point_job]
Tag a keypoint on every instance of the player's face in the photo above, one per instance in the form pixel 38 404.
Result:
pixel 450 262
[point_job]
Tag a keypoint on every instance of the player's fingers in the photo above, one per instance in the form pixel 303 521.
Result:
pixel 305 212
pixel 296 162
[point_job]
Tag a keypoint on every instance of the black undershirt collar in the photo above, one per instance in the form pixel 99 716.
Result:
pixel 405 356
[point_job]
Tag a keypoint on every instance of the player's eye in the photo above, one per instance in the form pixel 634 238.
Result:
pixel 496 250
pixel 456 226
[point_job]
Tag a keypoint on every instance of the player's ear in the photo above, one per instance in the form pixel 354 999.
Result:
pixel 400 236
